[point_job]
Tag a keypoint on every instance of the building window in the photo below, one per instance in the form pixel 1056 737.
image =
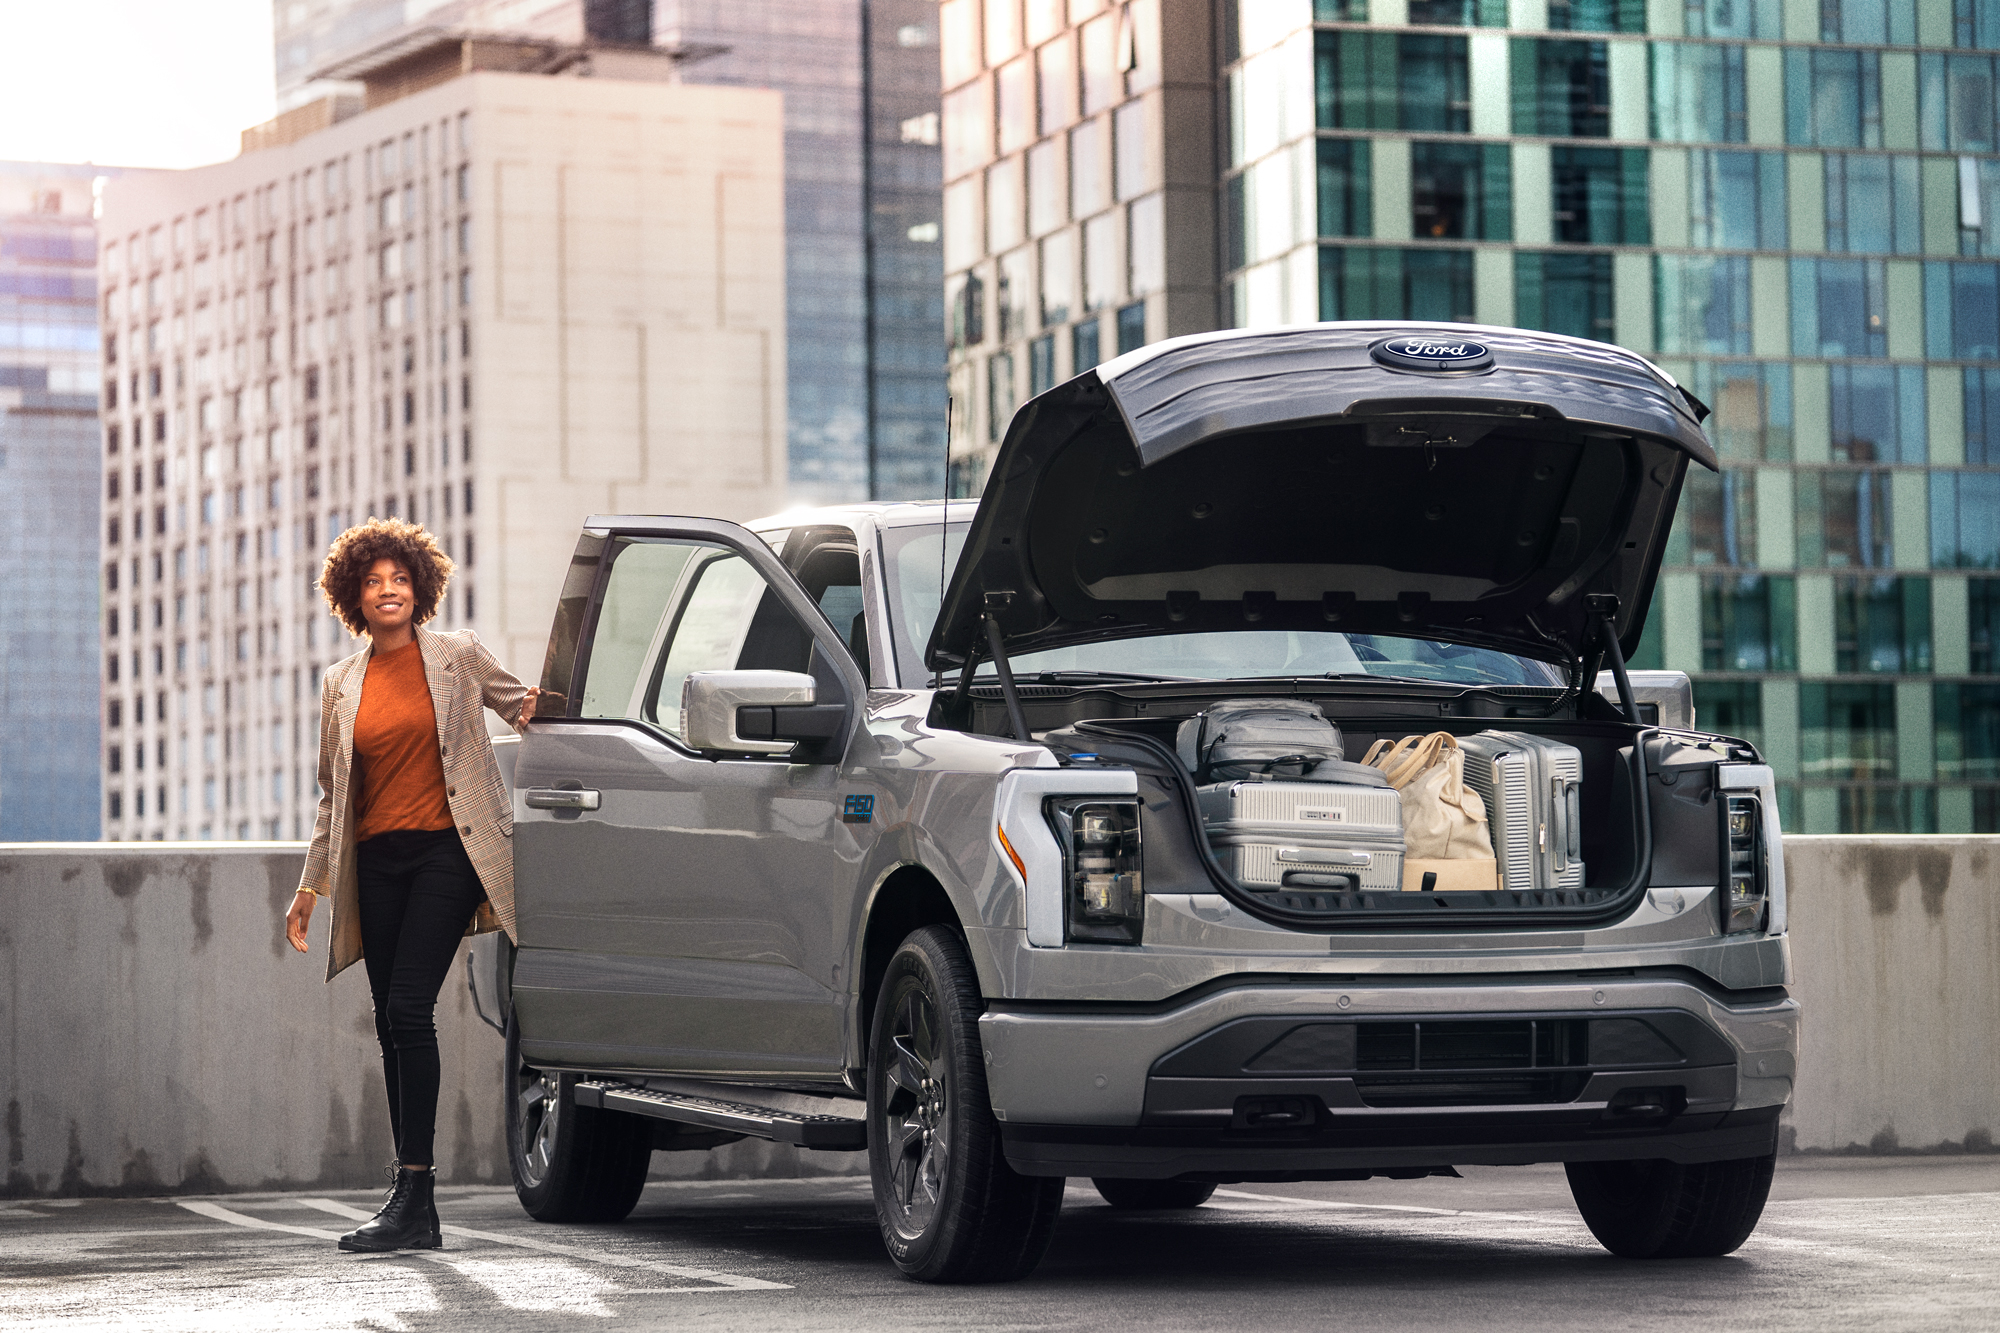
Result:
pixel 1982 598
pixel 1965 520
pixel 1732 708
pixel 1083 346
pixel 1967 723
pixel 1872 204
pixel 1367 282
pixel 1848 732
pixel 1601 195
pixel 1982 417
pixel 1458 191
pixel 1736 201
pixel 1833 99
pixel 1840 307
pixel 1596 16
pixel 1000 394
pixel 114 759
pixel 1749 622
pixel 1720 518
pixel 1131 327
pixel 1378 80
pixel 1843 519
pixel 1042 364
pixel 1561 88
pixel 1962 311
pixel 1877 413
pixel 1701 304
pixel 1699 92
pixel 1881 625
pixel 1460 13
pixel 1564 293
pixel 1955 97
pixel 1343 188
pixel 1752 406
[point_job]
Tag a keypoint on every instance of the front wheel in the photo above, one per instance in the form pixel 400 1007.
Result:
pixel 949 1206
pixel 570 1163
pixel 1664 1210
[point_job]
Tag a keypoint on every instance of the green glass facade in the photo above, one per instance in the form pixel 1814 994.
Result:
pixel 1791 205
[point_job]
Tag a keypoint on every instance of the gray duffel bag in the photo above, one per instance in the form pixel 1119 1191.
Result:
pixel 1268 738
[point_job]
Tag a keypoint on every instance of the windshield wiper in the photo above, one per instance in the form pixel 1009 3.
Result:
pixel 1083 677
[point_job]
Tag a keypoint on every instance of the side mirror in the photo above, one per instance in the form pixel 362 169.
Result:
pixel 755 712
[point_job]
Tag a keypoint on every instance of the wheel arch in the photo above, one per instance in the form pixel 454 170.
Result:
pixel 908 898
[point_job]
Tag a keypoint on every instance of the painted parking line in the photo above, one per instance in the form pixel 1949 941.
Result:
pixel 1286 1201
pixel 716 1281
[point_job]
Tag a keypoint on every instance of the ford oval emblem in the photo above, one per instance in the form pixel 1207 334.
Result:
pixel 1430 352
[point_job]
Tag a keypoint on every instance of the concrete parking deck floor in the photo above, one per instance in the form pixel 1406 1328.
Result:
pixel 1874 1243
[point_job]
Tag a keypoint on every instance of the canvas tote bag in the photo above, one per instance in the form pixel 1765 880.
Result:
pixel 1447 842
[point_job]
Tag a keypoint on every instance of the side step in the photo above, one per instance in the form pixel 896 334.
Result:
pixel 838 1133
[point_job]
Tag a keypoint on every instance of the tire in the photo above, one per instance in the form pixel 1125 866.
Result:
pixel 570 1163
pixel 1664 1210
pixel 1152 1193
pixel 949 1207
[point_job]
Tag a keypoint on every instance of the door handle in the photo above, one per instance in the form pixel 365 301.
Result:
pixel 561 798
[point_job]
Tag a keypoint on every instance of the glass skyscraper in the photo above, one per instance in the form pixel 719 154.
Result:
pixel 1789 204
pixel 49 507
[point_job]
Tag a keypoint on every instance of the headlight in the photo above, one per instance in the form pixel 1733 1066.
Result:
pixel 1745 891
pixel 1104 898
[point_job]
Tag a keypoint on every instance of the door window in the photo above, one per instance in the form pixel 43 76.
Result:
pixel 671 608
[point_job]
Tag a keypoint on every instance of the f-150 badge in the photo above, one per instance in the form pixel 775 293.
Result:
pixel 858 810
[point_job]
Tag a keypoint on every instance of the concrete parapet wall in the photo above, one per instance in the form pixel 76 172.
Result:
pixel 159 1036
pixel 1896 956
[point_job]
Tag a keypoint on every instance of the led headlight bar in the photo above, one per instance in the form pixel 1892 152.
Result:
pixel 1103 884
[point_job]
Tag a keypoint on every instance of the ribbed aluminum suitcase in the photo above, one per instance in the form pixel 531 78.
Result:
pixel 1532 788
pixel 1306 834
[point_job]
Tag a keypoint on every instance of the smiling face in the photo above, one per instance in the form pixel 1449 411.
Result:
pixel 387 598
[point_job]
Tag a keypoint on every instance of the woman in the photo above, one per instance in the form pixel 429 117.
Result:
pixel 413 838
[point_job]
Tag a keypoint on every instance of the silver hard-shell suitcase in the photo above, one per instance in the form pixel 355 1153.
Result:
pixel 1532 788
pixel 1272 835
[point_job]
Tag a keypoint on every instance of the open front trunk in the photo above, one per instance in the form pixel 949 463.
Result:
pixel 1674 836
pixel 1481 491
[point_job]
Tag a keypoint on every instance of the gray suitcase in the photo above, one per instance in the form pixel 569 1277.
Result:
pixel 1272 835
pixel 1532 788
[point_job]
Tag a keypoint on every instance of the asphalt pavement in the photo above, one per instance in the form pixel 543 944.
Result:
pixel 1846 1243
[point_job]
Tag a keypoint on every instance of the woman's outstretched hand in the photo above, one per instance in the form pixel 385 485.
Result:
pixel 299 918
pixel 527 713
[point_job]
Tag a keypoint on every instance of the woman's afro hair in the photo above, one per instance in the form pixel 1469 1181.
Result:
pixel 355 551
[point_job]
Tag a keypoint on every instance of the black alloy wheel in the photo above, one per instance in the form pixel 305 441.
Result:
pixel 1153 1193
pixel 570 1163
pixel 949 1207
pixel 1667 1210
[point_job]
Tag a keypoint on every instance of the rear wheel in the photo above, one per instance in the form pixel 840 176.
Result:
pixel 949 1206
pixel 570 1163
pixel 1152 1193
pixel 1665 1210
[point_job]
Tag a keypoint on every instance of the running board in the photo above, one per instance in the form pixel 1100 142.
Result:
pixel 838 1133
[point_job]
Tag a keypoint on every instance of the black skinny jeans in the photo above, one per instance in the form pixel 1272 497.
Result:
pixel 417 892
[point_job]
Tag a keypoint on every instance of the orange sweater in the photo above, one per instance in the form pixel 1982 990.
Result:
pixel 401 776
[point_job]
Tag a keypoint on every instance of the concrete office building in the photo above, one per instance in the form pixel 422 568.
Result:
pixel 865 343
pixel 492 302
pixel 1790 204
pixel 49 486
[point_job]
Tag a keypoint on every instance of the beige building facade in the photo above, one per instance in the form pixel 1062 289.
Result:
pixel 494 305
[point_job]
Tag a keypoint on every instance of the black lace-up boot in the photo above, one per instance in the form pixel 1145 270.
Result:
pixel 408 1221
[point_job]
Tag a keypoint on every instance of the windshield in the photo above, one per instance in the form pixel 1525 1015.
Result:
pixel 916 561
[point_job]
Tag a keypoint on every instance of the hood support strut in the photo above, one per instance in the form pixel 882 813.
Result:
pixel 996 645
pixel 1603 607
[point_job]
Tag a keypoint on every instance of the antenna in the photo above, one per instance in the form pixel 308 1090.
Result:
pixel 944 524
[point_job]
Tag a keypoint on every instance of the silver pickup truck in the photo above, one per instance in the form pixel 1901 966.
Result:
pixel 865 827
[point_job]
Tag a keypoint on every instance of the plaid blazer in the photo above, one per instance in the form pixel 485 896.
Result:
pixel 464 679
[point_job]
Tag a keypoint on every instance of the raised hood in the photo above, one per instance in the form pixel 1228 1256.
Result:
pixel 1441 481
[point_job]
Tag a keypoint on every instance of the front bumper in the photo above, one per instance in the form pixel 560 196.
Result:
pixel 1264 1080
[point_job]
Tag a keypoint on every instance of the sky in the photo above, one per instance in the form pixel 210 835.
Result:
pixel 132 83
